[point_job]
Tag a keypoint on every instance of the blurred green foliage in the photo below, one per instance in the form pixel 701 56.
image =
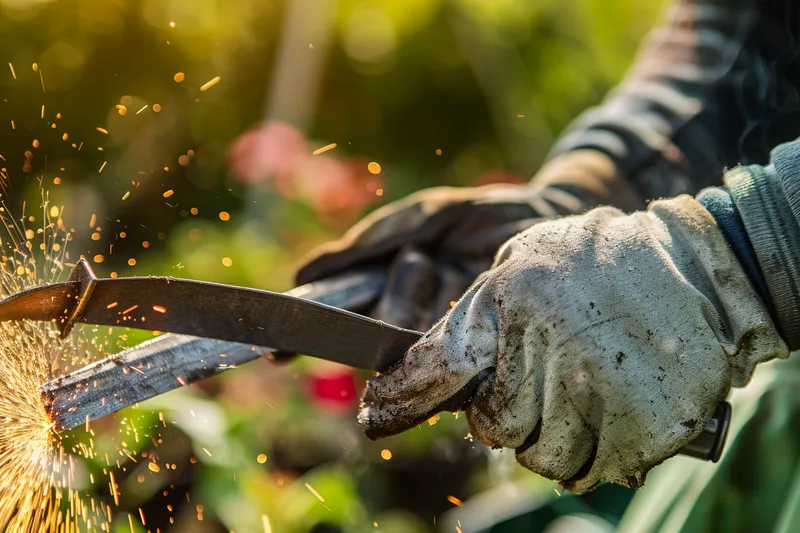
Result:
pixel 436 91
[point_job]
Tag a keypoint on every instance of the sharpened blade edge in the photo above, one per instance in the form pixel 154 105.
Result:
pixel 140 373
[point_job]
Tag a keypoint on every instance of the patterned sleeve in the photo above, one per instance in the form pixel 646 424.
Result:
pixel 717 84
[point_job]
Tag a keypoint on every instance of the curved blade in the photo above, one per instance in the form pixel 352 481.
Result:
pixel 48 302
pixel 248 316
pixel 255 317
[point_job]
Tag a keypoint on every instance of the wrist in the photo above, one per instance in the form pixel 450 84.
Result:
pixel 719 202
pixel 773 231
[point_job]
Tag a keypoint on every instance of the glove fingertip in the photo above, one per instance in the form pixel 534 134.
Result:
pixel 380 419
pixel 379 423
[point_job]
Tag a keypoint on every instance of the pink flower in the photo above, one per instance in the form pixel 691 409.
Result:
pixel 338 189
pixel 271 150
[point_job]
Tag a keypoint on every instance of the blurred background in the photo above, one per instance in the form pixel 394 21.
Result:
pixel 221 140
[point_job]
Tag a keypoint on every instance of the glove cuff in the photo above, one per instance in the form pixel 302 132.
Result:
pixel 774 232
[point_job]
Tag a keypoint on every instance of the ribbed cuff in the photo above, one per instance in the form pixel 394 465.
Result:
pixel 720 204
pixel 774 233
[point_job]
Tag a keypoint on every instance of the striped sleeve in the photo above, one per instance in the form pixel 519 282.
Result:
pixel 716 84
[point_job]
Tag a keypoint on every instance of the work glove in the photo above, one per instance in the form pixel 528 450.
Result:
pixel 595 348
pixel 433 244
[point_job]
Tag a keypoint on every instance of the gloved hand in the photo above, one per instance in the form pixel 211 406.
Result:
pixel 436 242
pixel 596 347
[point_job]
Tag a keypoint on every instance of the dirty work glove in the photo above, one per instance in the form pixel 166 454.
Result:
pixel 596 347
pixel 434 243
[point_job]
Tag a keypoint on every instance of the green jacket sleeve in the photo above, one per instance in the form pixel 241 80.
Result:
pixel 768 201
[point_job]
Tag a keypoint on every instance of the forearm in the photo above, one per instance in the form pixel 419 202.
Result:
pixel 704 94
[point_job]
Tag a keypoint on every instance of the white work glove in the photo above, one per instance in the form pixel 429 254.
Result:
pixel 596 347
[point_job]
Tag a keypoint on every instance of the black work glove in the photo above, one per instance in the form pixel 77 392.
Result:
pixel 434 243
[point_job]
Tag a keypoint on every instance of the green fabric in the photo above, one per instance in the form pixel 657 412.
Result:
pixel 755 486
pixel 773 231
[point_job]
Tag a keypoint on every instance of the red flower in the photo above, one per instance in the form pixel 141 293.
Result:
pixel 336 188
pixel 333 388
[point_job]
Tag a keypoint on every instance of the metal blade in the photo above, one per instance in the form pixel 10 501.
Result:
pixel 249 316
pixel 147 370
pixel 169 361
pixel 211 310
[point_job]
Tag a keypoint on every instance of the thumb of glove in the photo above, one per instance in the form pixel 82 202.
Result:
pixel 430 379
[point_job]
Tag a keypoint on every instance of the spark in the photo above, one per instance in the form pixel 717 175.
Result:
pixel 324 149
pixel 36 472
pixel 27 443
pixel 13 74
pixel 455 501
pixel 315 493
pixel 209 84
pixel 114 488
